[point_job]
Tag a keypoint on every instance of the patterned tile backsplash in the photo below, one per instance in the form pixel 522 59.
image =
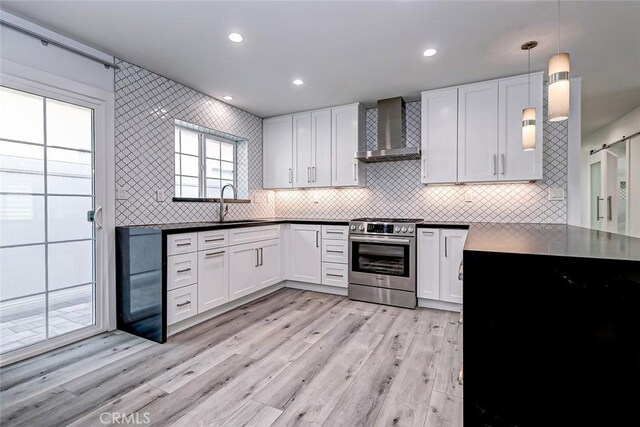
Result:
pixel 147 105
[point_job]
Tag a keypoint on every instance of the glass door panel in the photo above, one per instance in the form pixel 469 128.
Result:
pixel 47 246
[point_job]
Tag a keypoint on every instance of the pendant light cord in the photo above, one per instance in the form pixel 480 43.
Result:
pixel 529 77
pixel 558 26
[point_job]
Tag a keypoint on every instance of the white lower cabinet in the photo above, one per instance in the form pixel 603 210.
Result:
pixel 440 253
pixel 182 303
pixel 182 270
pixel 305 257
pixel 269 271
pixel 335 274
pixel 213 278
pixel 252 267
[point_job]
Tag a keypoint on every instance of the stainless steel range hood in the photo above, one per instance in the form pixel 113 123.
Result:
pixel 391 134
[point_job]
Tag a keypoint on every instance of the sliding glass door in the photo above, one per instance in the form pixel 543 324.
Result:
pixel 47 237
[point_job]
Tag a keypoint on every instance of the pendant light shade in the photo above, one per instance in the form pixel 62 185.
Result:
pixel 559 67
pixel 529 129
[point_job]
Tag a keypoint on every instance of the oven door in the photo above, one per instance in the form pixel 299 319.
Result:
pixel 383 261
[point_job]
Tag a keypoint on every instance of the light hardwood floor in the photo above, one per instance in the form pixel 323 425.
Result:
pixel 291 358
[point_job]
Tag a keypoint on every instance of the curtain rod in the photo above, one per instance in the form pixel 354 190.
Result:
pixel 605 146
pixel 47 41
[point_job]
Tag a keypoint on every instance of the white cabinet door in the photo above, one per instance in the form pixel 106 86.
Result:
pixel 428 263
pixel 302 150
pixel 335 251
pixel 321 148
pixel 277 147
pixel 335 274
pixel 243 265
pixel 269 271
pixel 440 136
pixel 347 137
pixel 305 256
pixel 478 132
pixel 182 270
pixel 515 164
pixel 213 278
pixel 182 303
pixel 452 246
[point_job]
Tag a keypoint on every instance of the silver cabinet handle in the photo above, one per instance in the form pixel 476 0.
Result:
pixel 309 174
pixel 183 304
pixel 290 176
pixel 184 270
pixel 334 232
pixel 609 208
pixel 257 257
pixel 183 244
pixel 445 246
pixel 213 240
pixel 461 270
pixel 261 256
pixel 355 172
pixel 96 216
pixel 495 163
pixel 214 253
pixel 335 252
pixel 502 163
pixel 598 217
pixel 334 275
pixel 317 239
pixel 424 168
pixel 314 174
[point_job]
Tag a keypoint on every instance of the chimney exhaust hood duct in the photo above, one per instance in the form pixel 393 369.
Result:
pixel 391 134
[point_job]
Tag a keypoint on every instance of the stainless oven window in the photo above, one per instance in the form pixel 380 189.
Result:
pixel 381 258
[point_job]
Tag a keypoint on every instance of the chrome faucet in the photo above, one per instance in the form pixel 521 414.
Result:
pixel 225 209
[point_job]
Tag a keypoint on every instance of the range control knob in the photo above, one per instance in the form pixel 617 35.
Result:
pixel 404 229
pixel 410 229
pixel 397 229
pixel 361 228
pixel 353 228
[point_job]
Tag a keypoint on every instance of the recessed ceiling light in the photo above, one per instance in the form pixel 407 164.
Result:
pixel 298 82
pixel 228 98
pixel 430 52
pixel 235 37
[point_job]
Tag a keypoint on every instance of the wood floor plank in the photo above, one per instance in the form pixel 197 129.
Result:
pixel 286 386
pixel 444 411
pixel 323 324
pixel 434 322
pixel 253 414
pixel 447 380
pixel 29 412
pixel 314 403
pixel 362 401
pixel 398 336
pixel 408 399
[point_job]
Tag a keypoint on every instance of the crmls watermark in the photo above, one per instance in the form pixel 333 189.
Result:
pixel 122 418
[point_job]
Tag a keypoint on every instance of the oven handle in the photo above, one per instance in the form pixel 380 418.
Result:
pixel 379 239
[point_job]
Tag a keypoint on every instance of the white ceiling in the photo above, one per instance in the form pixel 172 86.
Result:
pixel 357 51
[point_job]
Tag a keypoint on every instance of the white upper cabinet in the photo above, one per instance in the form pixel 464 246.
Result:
pixel 439 136
pixel 515 164
pixel 302 150
pixel 478 132
pixel 277 149
pixel 321 148
pixel 347 137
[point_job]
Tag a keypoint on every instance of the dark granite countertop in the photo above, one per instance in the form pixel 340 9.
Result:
pixel 187 227
pixel 551 239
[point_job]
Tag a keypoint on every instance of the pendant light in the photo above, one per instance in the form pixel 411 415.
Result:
pixel 529 113
pixel 559 67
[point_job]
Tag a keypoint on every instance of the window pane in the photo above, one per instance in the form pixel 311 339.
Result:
pixel 228 192
pixel 21 271
pixel 67 218
pixel 70 264
pixel 70 310
pixel 213 148
pixel 69 172
pixel 23 322
pixel 213 188
pixel 189 142
pixel 227 171
pixel 21 168
pixel 177 161
pixel 213 168
pixel 21 219
pixel 190 187
pixel 21 116
pixel 177 187
pixel 69 125
pixel 226 151
pixel 189 165
pixel 177 140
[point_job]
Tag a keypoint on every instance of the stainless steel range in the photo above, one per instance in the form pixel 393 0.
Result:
pixel 382 261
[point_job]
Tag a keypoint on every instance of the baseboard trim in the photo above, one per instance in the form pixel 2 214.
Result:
pixel 209 314
pixel 315 287
pixel 439 305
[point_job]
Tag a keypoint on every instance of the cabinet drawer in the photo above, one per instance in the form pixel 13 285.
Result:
pixel 335 251
pixel 238 236
pixel 335 232
pixel 335 274
pixel 182 270
pixel 212 239
pixel 182 303
pixel 182 243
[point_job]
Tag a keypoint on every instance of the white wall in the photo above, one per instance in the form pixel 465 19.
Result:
pixel 625 125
